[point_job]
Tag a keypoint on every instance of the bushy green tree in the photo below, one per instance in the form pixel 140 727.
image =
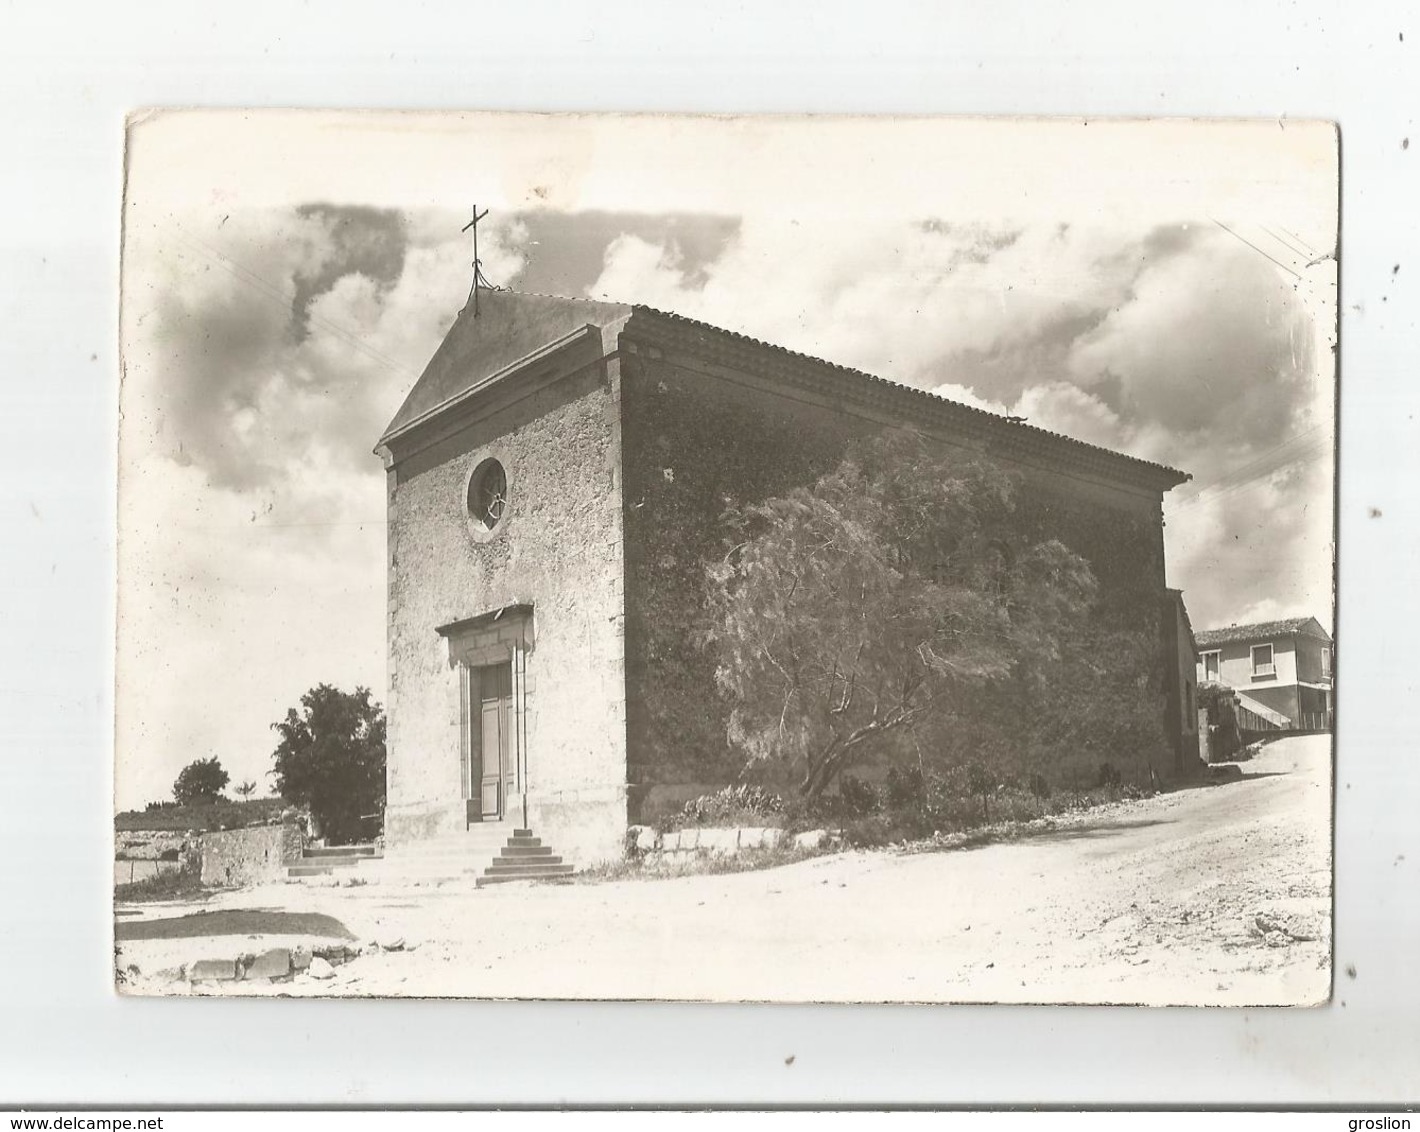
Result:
pixel 331 759
pixel 886 597
pixel 200 783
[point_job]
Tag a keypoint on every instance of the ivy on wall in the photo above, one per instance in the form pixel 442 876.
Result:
pixel 695 446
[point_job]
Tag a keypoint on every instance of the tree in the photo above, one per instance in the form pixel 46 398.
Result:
pixel 200 783
pixel 246 789
pixel 331 758
pixel 885 597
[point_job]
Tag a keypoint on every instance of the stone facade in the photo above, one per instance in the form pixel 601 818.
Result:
pixel 556 555
pixel 623 433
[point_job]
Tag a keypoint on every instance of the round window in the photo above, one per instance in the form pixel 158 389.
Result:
pixel 488 495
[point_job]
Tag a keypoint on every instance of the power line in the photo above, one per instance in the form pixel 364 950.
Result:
pixel 1199 487
pixel 1286 243
pixel 1224 488
pixel 279 295
pixel 1231 485
pixel 1310 251
pixel 1255 248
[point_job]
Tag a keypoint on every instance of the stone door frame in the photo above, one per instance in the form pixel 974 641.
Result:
pixel 501 636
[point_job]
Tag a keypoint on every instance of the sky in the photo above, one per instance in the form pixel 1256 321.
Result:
pixel 1165 289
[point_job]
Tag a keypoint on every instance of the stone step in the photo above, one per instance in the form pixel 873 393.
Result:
pixel 524 865
pixel 448 847
pixel 333 859
pixel 489 853
pixel 313 870
pixel 341 851
pixel 387 868
pixel 470 853
pixel 521 874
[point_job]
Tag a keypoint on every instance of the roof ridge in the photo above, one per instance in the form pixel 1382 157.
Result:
pixel 1261 628
pixel 589 299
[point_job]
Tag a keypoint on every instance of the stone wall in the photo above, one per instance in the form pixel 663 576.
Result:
pixel 143 854
pixel 678 848
pixel 558 550
pixel 258 854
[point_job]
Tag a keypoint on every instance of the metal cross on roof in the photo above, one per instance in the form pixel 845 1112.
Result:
pixel 479 280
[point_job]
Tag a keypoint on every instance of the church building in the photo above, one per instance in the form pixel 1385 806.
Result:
pixel 554 481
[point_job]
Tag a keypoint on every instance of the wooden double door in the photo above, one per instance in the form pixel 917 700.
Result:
pixel 491 778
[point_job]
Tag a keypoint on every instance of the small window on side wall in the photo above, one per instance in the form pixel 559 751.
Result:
pixel 1210 667
pixel 1262 664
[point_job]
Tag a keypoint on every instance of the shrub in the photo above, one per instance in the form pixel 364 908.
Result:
pixel 733 805
pixel 885 828
pixel 1221 704
pixel 905 787
pixel 856 797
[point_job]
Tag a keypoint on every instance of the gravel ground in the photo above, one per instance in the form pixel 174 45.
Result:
pixel 1211 896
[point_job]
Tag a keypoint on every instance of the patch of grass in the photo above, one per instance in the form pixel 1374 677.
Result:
pixel 234 922
pixel 167 886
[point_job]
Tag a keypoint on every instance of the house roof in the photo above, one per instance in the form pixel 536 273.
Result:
pixel 512 326
pixel 1262 631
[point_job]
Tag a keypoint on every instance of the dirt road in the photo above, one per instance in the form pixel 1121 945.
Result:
pixel 1210 896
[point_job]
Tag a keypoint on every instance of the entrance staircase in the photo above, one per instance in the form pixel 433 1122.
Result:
pixel 324 862
pixel 487 853
pixel 524 857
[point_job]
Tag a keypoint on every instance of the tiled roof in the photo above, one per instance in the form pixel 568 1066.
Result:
pixel 1022 434
pixel 1263 630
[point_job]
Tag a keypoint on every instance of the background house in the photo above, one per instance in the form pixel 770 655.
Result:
pixel 1280 670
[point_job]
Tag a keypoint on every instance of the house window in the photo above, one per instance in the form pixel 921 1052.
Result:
pixel 1326 664
pixel 1210 667
pixel 1262 661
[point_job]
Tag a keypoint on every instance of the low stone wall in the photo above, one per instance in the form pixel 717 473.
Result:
pixel 144 854
pixel 682 846
pixel 260 853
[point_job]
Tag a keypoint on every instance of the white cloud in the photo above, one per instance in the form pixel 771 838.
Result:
pixel 1174 343
pixel 252 508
